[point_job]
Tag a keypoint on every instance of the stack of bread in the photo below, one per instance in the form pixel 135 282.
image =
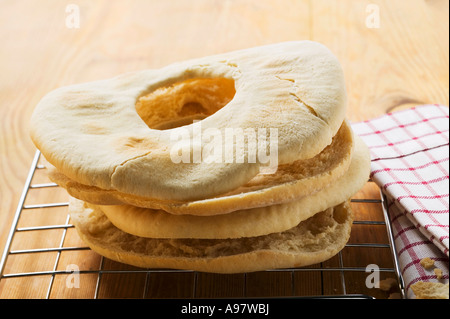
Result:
pixel 131 151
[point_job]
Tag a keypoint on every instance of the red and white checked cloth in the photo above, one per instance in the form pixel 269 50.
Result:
pixel 410 163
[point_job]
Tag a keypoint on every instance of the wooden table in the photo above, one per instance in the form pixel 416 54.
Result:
pixel 395 55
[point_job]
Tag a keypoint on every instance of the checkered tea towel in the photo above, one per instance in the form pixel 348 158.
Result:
pixel 410 163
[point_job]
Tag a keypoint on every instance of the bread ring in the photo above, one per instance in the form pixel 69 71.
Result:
pixel 93 132
pixel 259 221
pixel 290 182
pixel 313 241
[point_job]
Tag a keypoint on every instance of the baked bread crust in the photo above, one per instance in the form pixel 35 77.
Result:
pixel 93 134
pixel 259 221
pixel 430 290
pixel 312 241
pixel 290 183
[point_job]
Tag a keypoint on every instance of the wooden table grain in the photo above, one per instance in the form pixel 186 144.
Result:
pixel 395 54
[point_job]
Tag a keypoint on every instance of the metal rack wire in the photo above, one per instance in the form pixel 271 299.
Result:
pixel 341 269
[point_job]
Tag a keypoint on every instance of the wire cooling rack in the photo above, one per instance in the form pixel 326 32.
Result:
pixel 39 275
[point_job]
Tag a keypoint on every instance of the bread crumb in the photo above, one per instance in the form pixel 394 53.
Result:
pixel 387 284
pixel 438 273
pixel 427 262
pixel 430 290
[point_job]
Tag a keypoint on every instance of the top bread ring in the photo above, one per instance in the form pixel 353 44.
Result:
pixel 289 183
pixel 118 134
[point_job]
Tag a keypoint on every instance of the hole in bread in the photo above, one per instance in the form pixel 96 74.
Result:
pixel 184 102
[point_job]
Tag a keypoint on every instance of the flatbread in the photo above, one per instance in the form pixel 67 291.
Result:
pixel 312 241
pixel 291 182
pixel 95 133
pixel 144 222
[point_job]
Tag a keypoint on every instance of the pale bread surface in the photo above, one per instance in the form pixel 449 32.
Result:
pixel 312 241
pixel 290 183
pixel 92 133
pixel 144 222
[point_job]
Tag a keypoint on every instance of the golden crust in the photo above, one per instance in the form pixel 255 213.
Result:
pixel 312 241
pixel 430 290
pixel 258 221
pixel 290 182
pixel 110 145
